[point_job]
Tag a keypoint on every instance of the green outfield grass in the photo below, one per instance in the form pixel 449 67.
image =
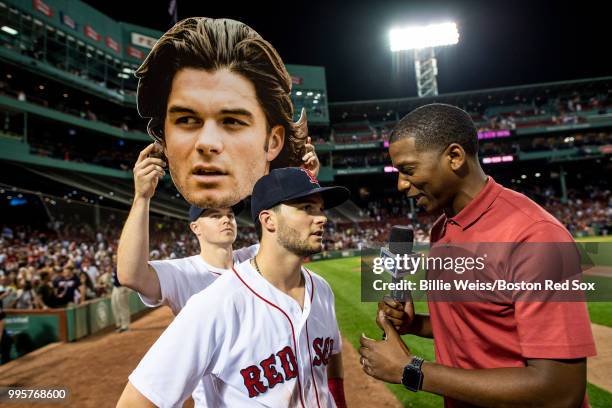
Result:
pixel 356 317
pixel 598 397
pixel 600 238
pixel 600 312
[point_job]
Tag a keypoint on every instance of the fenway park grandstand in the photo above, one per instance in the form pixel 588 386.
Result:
pixel 70 135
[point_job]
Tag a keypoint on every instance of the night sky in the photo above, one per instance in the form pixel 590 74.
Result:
pixel 502 43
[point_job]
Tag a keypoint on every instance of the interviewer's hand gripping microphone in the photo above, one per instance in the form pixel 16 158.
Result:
pixel 401 241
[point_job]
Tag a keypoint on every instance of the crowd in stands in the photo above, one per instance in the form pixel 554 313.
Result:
pixel 541 144
pixel 582 141
pixel 363 159
pixel 38 90
pixel 538 111
pixel 122 155
pixel 380 215
pixel 70 262
pixel 586 212
pixel 53 48
pixel 565 110
pixel 40 270
pixel 75 144
pixel 110 153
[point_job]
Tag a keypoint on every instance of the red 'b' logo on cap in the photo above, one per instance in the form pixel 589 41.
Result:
pixel 311 176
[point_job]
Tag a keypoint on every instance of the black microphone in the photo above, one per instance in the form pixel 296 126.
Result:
pixel 401 242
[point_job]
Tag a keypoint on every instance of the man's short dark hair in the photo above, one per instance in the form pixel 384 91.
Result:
pixel 436 126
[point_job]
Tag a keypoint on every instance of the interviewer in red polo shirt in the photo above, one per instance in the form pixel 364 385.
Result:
pixel 494 354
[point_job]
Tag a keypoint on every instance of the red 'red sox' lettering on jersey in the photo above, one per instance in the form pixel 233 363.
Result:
pixel 285 360
pixel 323 349
pixel 252 374
pixel 285 367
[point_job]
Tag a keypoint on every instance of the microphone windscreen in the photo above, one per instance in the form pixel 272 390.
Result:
pixel 401 239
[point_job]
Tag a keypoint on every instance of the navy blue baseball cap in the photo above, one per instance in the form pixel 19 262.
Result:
pixel 290 183
pixel 196 212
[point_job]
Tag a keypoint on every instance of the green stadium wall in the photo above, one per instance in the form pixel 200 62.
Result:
pixel 32 329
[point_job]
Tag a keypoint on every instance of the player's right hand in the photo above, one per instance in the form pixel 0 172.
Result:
pixel 148 170
pixel 400 314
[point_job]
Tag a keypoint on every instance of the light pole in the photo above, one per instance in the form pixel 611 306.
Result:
pixel 423 40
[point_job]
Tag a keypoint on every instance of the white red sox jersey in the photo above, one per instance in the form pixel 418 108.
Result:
pixel 179 279
pixel 259 348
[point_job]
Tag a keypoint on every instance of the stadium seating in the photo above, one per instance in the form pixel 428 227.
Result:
pixel 70 135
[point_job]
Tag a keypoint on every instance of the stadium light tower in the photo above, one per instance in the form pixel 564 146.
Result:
pixel 423 40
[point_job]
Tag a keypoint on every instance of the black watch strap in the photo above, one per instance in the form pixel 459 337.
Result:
pixel 412 377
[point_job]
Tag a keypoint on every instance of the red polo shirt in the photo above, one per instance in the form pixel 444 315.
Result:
pixel 476 335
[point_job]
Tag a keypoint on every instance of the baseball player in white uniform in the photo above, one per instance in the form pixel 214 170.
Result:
pixel 181 278
pixel 266 333
pixel 173 281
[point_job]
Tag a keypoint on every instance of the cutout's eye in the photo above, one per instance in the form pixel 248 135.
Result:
pixel 233 121
pixel 187 120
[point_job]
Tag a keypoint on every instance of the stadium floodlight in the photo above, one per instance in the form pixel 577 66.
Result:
pixel 422 40
pixel 9 30
pixel 434 35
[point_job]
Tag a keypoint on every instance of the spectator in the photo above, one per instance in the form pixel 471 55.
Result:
pixel 46 293
pixel 67 285
pixel 87 290
pixel 26 296
pixel 104 284
pixel 90 269
pixel 8 292
pixel 120 304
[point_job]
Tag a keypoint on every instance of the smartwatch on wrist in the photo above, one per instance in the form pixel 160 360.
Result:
pixel 412 378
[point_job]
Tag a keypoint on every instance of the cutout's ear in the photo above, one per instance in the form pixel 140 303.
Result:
pixel 160 151
pixel 301 126
pixel 275 142
pixel 164 147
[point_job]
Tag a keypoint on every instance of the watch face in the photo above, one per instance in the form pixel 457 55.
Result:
pixel 412 378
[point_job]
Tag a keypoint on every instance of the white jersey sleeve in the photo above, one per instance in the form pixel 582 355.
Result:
pixel 185 352
pixel 175 277
pixel 242 254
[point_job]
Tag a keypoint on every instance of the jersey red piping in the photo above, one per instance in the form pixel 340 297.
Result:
pixel 290 323
pixel 314 381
